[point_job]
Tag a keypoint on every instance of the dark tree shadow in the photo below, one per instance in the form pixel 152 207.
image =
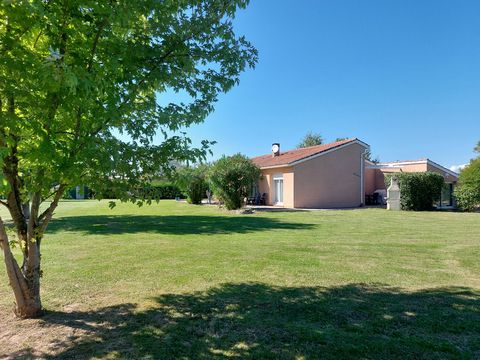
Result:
pixel 276 209
pixel 179 225
pixel 256 321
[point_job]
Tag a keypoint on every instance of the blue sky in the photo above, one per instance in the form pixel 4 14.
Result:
pixel 401 75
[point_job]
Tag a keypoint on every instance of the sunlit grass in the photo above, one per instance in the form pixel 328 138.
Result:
pixel 94 258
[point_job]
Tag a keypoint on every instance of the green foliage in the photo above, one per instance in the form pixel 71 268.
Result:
pixel 310 139
pixel 158 192
pixel 192 181
pixel 76 74
pixel 467 192
pixel 418 191
pixel 477 147
pixel 166 191
pixel 232 177
pixel 81 90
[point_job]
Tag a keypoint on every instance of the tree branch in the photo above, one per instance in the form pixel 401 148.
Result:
pixel 32 221
pixel 95 43
pixel 141 82
pixel 37 38
pixel 46 216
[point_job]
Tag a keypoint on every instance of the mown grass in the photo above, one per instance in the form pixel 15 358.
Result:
pixel 179 281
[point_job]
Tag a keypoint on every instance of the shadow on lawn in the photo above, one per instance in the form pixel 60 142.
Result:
pixel 181 224
pixel 258 321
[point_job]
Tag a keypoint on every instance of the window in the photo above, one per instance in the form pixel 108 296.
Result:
pixel 447 195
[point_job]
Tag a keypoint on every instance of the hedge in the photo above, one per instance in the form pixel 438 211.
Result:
pixel 166 191
pixel 418 191
pixel 162 191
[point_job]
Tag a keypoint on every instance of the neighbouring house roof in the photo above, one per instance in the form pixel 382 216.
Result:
pixel 400 163
pixel 291 157
pixel 403 162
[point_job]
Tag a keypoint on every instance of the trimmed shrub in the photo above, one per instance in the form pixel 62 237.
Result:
pixel 418 191
pixel 467 192
pixel 231 178
pixel 192 182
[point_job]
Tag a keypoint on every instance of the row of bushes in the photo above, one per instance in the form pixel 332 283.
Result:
pixel 165 191
pixel 229 178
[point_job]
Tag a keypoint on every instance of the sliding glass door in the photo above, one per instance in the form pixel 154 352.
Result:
pixel 278 189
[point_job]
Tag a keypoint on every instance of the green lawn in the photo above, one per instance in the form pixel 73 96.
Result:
pixel 173 280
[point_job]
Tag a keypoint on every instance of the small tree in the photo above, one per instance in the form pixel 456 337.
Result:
pixel 310 139
pixel 468 191
pixel 232 177
pixel 75 74
pixel 192 181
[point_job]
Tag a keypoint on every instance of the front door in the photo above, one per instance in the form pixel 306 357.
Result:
pixel 278 190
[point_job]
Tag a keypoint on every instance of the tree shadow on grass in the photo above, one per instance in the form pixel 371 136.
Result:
pixel 257 321
pixel 177 225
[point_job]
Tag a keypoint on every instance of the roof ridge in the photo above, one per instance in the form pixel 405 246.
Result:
pixel 345 141
pixel 291 157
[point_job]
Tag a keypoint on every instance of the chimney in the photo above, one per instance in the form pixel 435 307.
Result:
pixel 275 149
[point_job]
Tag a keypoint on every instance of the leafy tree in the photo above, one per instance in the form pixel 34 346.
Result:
pixel 232 177
pixel 192 181
pixel 477 147
pixel 310 139
pixel 73 75
pixel 340 139
pixel 467 192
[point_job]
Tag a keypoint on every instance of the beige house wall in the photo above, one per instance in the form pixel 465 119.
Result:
pixel 422 167
pixel 370 175
pixel 331 180
pixel 266 185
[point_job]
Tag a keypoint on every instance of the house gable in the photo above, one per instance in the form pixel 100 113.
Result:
pixel 297 156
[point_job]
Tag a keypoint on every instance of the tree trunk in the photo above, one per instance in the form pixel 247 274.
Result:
pixel 25 280
pixel 26 287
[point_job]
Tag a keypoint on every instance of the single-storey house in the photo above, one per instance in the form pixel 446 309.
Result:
pixel 322 176
pixel 334 175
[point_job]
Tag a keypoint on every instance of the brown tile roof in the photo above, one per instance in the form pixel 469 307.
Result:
pixel 291 156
